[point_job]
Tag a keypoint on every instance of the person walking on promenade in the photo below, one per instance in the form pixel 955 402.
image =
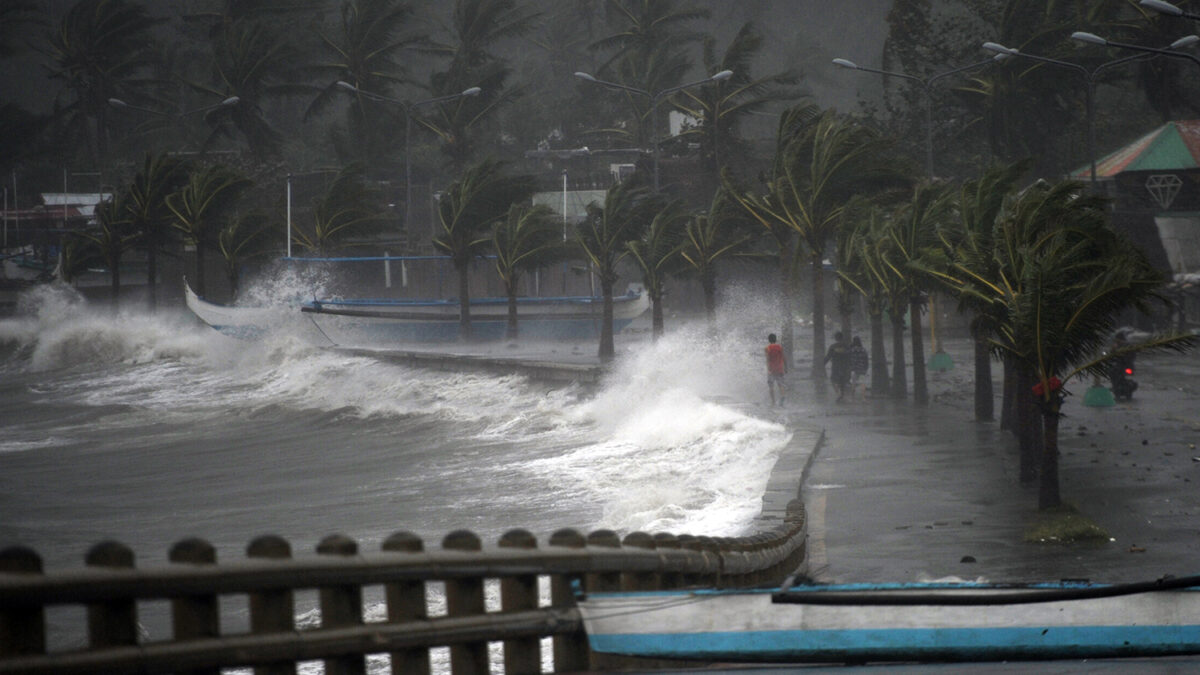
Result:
pixel 839 372
pixel 859 361
pixel 776 368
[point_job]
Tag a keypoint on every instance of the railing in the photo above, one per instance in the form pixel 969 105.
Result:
pixel 268 580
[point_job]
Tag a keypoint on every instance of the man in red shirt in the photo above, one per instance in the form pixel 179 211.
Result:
pixel 776 368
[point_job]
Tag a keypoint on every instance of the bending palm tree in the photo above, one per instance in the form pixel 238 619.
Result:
pixel 466 212
pixel 199 205
pixel 604 237
pixel 710 237
pixel 656 253
pixel 528 238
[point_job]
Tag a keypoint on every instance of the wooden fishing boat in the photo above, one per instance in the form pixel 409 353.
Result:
pixel 920 622
pixel 384 322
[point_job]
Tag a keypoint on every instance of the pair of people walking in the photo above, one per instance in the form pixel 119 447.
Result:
pixel 848 359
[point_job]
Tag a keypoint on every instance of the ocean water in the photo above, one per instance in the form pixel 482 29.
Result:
pixel 149 429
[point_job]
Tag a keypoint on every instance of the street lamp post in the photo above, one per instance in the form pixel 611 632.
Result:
pixel 1185 41
pixel 655 98
pixel 927 85
pixel 408 108
pixel 1168 9
pixel 118 103
pixel 1089 76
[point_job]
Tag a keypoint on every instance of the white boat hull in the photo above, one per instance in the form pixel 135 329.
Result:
pixel 749 626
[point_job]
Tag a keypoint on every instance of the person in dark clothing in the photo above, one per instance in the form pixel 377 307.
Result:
pixel 859 361
pixel 838 356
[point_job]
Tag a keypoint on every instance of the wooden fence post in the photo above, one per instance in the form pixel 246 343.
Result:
pixel 341 607
pixel 272 611
pixel 112 623
pixel 668 580
pixel 639 581
pixel 195 616
pixel 570 651
pixel 464 597
pixel 406 602
pixel 22 629
pixel 522 656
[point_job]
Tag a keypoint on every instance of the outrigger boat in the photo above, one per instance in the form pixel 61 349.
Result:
pixel 390 321
pixel 914 622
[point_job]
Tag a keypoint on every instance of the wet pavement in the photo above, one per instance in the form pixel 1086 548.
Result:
pixel 900 492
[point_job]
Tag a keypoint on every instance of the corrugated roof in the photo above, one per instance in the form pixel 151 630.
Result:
pixel 1173 146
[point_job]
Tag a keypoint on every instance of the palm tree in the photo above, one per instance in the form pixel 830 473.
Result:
pixel 113 236
pixel 708 238
pixel 476 27
pixel 159 176
pixel 604 236
pixel 721 106
pixel 348 207
pixel 821 164
pixel 366 51
pixel 100 50
pixel 528 238
pixel 913 234
pixel 242 238
pixel 200 206
pixel 466 212
pixel 657 254
pixel 863 267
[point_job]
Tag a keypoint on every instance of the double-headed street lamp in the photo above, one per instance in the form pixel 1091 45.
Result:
pixel 927 85
pixel 1168 9
pixel 655 98
pixel 1185 41
pixel 1090 77
pixel 408 109
pixel 118 103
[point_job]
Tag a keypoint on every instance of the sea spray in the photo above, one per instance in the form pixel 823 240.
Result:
pixel 679 448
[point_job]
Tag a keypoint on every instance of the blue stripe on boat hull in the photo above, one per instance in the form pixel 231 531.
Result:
pixel 933 644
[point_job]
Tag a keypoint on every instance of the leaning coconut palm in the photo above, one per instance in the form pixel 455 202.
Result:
pixel 820 165
pixel 113 237
pixel 709 237
pixel 466 212
pixel 200 206
pixel 159 176
pixel 913 231
pixel 349 207
pixel 529 237
pixel 861 267
pixel 657 254
pixel 242 239
pixel 604 236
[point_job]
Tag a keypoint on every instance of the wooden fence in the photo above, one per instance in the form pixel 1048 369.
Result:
pixel 194 586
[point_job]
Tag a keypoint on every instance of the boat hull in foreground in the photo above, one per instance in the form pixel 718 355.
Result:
pixel 749 626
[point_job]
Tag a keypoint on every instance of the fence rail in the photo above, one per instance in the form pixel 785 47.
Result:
pixel 110 588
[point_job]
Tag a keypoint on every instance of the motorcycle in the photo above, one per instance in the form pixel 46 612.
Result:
pixel 1120 375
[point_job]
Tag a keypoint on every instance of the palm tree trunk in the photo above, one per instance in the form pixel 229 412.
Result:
pixel 899 378
pixel 787 332
pixel 464 299
pixel 510 332
pixel 879 373
pixel 920 388
pixel 1048 492
pixel 607 349
pixel 656 315
pixel 1007 400
pixel 818 317
pixel 152 271
pixel 114 271
pixel 1027 420
pixel 984 405
pixel 708 281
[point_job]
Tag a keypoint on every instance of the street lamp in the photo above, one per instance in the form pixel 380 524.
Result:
pixel 118 103
pixel 927 85
pixel 655 98
pixel 1090 77
pixel 1169 50
pixel 408 108
pixel 1168 9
